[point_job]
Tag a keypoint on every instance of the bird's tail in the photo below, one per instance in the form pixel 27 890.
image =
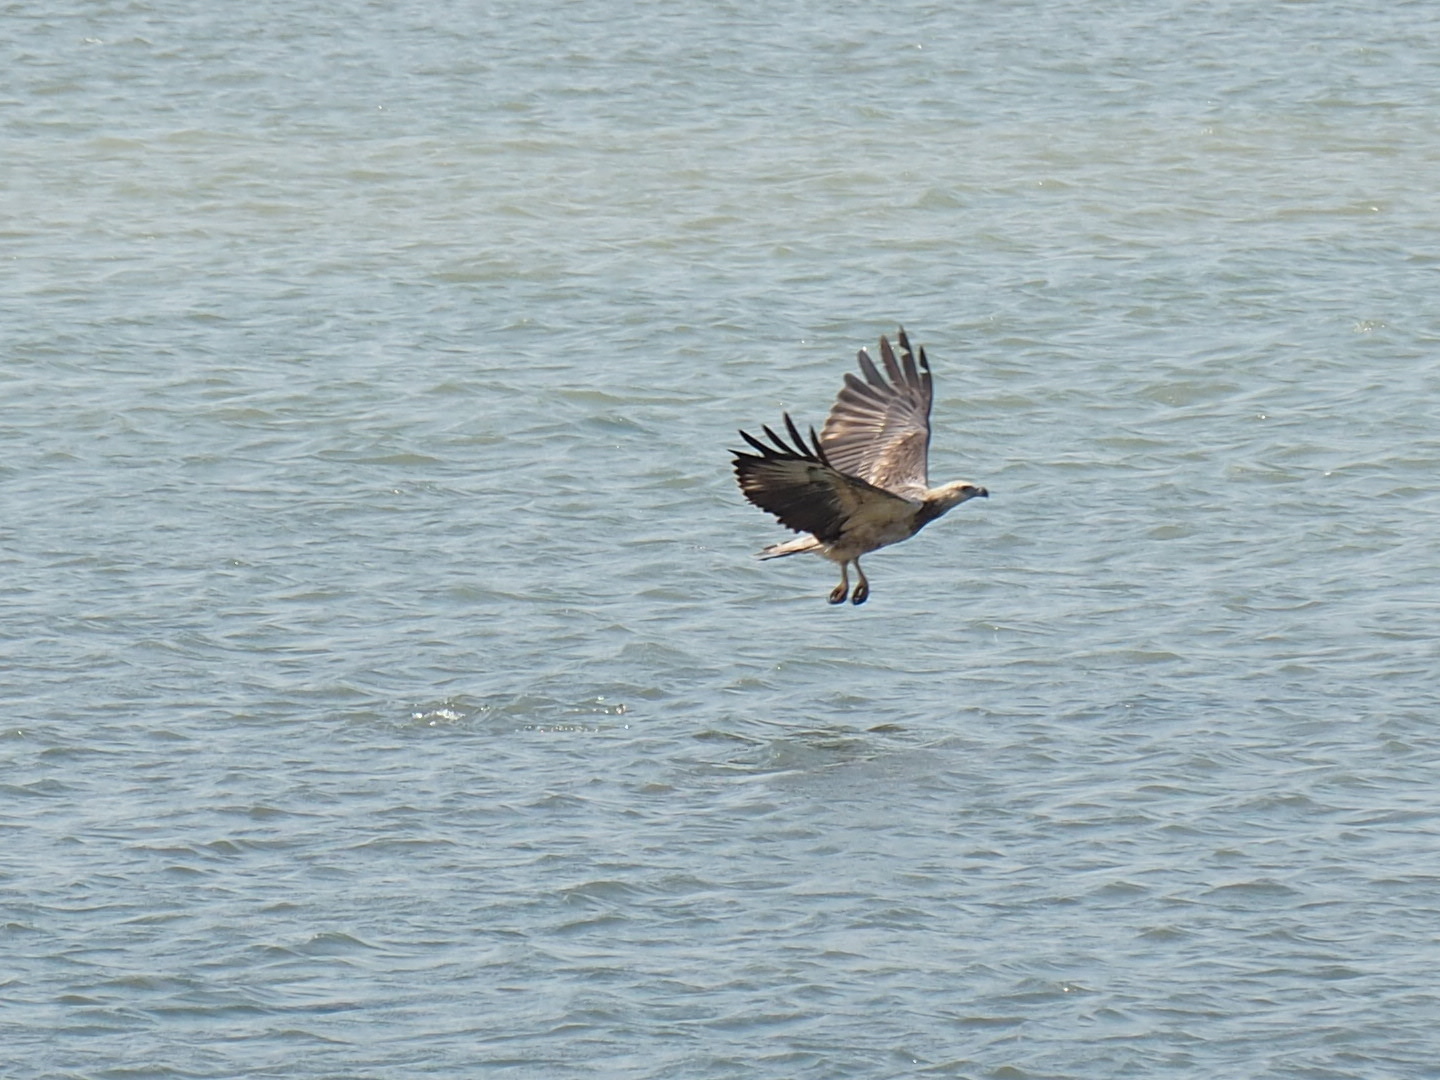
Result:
pixel 790 547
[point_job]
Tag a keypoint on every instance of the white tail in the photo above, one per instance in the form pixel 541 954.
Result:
pixel 790 547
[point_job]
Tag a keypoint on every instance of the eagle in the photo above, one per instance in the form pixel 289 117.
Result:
pixel 862 483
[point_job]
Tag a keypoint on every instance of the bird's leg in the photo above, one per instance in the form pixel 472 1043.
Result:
pixel 862 587
pixel 837 595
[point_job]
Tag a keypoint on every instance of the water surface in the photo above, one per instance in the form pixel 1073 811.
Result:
pixel 389 688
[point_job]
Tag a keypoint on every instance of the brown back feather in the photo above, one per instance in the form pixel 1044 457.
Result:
pixel 799 484
pixel 879 429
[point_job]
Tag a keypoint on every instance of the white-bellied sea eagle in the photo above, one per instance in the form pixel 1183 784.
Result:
pixel 862 484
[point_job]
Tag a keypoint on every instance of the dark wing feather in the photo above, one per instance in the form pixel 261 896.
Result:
pixel 879 428
pixel 798 484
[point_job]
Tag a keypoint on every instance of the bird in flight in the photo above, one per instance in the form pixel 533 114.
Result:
pixel 862 484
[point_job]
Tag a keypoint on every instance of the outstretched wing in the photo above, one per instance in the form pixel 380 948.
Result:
pixel 800 486
pixel 879 429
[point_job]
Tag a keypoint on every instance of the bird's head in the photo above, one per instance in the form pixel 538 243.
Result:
pixel 953 494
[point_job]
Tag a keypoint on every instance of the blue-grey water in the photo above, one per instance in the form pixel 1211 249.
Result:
pixel 388 685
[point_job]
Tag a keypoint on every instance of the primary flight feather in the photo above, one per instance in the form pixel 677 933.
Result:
pixel 862 483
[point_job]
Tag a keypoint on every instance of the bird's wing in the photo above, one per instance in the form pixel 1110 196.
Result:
pixel 800 486
pixel 879 429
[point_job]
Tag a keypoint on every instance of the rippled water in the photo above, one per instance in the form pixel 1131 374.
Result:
pixel 389 688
